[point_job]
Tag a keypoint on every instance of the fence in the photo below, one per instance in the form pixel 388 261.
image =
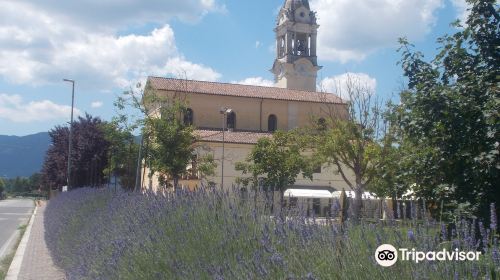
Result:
pixel 371 208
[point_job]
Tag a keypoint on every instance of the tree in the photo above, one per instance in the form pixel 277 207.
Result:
pixel 351 142
pixel 450 114
pixel 172 141
pixel 88 158
pixel 279 159
pixel 2 187
pixel 206 166
pixel 122 154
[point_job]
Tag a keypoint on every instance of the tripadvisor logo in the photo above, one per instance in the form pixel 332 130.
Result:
pixel 387 255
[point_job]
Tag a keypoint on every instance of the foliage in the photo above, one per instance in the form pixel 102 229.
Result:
pixel 278 159
pixel 206 165
pixel 23 185
pixel 351 142
pixel 172 141
pixel 450 114
pixel 2 187
pixel 98 234
pixel 88 158
pixel 390 178
pixel 122 154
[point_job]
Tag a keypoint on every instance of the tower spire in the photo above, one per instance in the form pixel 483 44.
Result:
pixel 296 63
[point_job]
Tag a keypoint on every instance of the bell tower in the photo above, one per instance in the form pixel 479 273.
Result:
pixel 296 64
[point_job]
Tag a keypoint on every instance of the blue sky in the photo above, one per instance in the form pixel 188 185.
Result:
pixel 109 45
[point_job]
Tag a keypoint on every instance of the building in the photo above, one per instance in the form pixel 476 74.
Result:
pixel 257 111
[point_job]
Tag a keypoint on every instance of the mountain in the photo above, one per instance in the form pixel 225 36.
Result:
pixel 22 156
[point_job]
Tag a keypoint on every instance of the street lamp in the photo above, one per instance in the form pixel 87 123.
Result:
pixel 224 111
pixel 68 177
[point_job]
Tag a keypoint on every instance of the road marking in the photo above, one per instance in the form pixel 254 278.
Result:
pixel 15 266
pixel 7 246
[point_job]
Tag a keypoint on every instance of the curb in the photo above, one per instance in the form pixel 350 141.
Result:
pixel 15 266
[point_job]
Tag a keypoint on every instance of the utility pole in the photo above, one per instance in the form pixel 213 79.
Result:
pixel 70 146
pixel 224 111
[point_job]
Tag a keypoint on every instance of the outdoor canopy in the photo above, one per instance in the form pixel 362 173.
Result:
pixel 311 193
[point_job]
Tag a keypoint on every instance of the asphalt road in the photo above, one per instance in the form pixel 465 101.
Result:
pixel 13 213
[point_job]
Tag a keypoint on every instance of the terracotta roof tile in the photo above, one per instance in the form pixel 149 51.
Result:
pixel 239 137
pixel 225 89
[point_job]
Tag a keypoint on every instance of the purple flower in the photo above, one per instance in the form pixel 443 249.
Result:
pixel 444 234
pixel 484 236
pixel 411 235
pixel 493 217
pixel 495 256
pixel 277 259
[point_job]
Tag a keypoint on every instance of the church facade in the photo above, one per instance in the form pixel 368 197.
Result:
pixel 230 118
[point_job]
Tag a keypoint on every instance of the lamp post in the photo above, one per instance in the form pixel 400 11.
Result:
pixel 224 111
pixel 70 146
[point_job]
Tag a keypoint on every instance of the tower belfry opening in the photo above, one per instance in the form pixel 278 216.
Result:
pixel 296 64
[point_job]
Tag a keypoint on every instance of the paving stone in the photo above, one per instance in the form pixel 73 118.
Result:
pixel 37 263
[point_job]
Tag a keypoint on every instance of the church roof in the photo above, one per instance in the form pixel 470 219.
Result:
pixel 238 90
pixel 237 137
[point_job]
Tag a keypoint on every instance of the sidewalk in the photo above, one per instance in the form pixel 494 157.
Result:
pixel 35 262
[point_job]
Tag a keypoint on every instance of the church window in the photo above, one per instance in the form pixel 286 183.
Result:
pixel 231 121
pixel 272 123
pixel 188 117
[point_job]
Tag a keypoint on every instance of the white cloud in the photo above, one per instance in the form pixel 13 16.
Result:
pixel 181 68
pixel 338 84
pixel 96 104
pixel 255 81
pixel 258 44
pixel 13 108
pixel 39 44
pixel 351 30
pixel 111 14
pixel 461 7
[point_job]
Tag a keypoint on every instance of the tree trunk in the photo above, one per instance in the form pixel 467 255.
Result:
pixel 176 182
pixel 358 203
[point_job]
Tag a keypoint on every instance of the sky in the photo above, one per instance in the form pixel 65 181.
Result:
pixel 108 46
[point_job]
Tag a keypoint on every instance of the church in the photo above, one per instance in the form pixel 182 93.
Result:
pixel 229 119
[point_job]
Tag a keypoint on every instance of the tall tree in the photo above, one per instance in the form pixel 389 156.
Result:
pixel 279 159
pixel 351 141
pixel 450 114
pixel 122 154
pixel 2 187
pixel 172 141
pixel 88 158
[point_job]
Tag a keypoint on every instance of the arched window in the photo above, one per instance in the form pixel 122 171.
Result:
pixel 231 121
pixel 272 123
pixel 188 117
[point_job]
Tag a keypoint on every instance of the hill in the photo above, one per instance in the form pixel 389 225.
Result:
pixel 22 155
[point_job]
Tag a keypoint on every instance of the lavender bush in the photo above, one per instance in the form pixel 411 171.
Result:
pixel 99 234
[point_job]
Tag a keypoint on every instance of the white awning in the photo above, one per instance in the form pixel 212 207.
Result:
pixel 352 194
pixel 308 193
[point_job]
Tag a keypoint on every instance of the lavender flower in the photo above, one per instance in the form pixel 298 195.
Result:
pixel 493 217
pixel 411 235
pixel 95 234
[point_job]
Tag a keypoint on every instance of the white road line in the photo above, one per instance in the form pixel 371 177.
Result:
pixel 15 266
pixel 7 246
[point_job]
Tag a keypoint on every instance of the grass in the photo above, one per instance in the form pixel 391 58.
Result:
pixel 7 260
